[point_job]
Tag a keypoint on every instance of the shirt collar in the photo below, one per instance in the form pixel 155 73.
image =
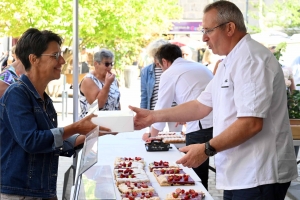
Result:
pixel 232 54
pixel 25 80
pixel 179 60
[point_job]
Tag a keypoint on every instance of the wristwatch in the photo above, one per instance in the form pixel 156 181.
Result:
pixel 209 150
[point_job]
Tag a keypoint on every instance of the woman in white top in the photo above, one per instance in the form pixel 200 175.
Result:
pixel 100 85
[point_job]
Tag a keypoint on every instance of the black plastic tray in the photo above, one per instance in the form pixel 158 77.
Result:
pixel 157 145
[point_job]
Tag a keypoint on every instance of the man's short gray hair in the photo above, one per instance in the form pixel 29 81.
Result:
pixel 153 47
pixel 103 53
pixel 228 12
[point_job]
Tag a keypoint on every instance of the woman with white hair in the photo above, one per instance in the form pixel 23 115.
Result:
pixel 100 85
pixel 150 76
pixel 187 53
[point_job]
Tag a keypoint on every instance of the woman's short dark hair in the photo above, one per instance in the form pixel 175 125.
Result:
pixel 34 42
pixel 170 52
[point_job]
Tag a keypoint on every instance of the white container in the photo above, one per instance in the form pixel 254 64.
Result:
pixel 116 121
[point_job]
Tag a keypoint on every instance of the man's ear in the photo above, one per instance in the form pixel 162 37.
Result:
pixel 231 28
pixel 167 63
pixel 163 61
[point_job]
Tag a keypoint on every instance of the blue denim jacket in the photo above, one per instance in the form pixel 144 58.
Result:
pixel 30 145
pixel 147 85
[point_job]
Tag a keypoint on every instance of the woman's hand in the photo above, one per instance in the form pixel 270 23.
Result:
pixel 106 131
pixel 109 78
pixel 102 133
pixel 85 125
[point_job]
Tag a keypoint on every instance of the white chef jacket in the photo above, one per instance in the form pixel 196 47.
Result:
pixel 183 81
pixel 249 83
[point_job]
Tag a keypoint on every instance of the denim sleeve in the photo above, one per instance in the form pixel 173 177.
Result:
pixel 58 139
pixel 65 147
pixel 144 95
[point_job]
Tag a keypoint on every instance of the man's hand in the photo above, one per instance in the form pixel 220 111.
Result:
pixel 142 119
pixel 179 123
pixel 146 136
pixel 194 157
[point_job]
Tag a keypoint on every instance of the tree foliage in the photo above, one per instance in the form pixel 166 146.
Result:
pixel 286 14
pixel 122 26
pixel 283 14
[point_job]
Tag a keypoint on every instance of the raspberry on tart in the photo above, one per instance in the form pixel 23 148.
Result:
pixel 140 195
pixel 175 180
pixel 163 171
pixel 162 164
pixel 135 186
pixel 181 194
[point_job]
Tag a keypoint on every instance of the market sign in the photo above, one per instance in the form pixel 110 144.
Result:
pixel 186 27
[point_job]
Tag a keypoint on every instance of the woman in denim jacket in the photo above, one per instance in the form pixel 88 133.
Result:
pixel 31 143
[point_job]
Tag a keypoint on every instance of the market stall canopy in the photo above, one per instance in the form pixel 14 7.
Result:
pixel 271 38
pixel 187 41
pixel 295 37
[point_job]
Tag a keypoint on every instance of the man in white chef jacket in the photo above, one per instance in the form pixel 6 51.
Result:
pixel 252 143
pixel 182 81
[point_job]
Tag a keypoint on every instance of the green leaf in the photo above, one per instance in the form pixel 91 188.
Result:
pixel 119 25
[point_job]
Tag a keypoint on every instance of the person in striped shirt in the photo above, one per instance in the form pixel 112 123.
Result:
pixel 150 77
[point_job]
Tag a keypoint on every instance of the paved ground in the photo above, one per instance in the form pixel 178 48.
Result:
pixel 132 96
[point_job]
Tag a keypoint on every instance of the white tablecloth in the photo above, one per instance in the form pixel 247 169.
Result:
pixel 131 145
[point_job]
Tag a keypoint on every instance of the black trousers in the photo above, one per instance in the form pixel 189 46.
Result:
pixel 275 191
pixel 199 137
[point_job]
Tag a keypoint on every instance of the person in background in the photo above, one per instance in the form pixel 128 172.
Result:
pixel 216 66
pixel 206 60
pixel 187 53
pixel 272 49
pixel 11 74
pixel 252 143
pixel 100 85
pixel 4 59
pixel 83 57
pixel 11 57
pixel 150 78
pixel 183 81
pixel 295 66
pixel 287 72
pixel 289 78
pixel 31 142
pixel 210 59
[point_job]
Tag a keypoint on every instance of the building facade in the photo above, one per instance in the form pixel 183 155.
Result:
pixel 193 9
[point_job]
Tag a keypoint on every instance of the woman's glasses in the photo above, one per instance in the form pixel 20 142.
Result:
pixel 56 55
